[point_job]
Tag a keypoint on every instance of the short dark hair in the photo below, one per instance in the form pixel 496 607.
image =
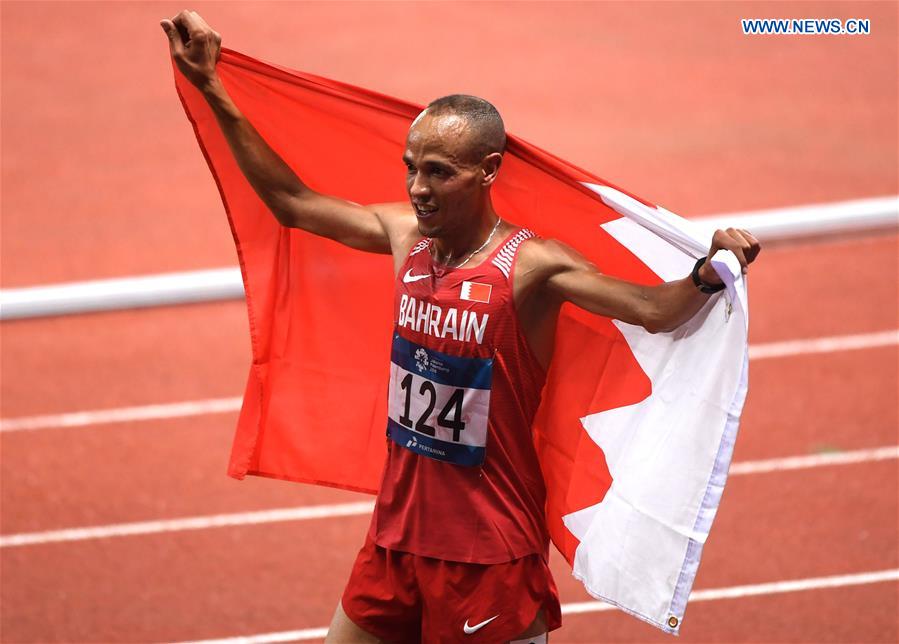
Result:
pixel 487 124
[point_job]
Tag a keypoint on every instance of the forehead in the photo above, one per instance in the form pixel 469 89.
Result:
pixel 446 135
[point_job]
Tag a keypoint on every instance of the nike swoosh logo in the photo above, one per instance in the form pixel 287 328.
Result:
pixel 474 629
pixel 409 277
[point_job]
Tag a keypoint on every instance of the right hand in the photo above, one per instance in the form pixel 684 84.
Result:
pixel 194 46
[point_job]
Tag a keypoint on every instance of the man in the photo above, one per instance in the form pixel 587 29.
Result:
pixel 457 546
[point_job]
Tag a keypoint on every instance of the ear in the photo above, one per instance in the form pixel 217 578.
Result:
pixel 490 167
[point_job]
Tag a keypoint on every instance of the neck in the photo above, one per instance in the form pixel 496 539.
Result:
pixel 455 247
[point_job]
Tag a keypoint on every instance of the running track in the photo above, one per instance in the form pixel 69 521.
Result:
pixel 757 124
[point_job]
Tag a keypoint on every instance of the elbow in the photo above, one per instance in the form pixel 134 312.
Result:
pixel 645 312
pixel 286 209
pixel 658 328
pixel 655 322
pixel 284 218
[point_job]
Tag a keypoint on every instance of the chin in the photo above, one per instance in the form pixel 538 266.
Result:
pixel 429 229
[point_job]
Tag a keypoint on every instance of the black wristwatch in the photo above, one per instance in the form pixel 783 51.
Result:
pixel 702 286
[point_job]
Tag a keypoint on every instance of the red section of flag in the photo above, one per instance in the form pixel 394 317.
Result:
pixel 476 292
pixel 320 314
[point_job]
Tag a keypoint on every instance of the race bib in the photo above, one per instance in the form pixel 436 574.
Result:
pixel 438 404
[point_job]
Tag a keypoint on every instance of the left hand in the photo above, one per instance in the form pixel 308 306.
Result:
pixel 738 241
pixel 194 45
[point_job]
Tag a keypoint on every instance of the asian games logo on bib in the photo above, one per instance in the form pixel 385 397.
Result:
pixel 428 364
pixel 421 359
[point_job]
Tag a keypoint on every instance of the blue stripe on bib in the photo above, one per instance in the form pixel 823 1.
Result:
pixel 457 453
pixel 455 371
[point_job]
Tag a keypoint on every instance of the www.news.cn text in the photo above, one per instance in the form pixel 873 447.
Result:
pixel 805 26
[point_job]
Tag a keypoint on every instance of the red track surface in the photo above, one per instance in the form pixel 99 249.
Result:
pixel 102 177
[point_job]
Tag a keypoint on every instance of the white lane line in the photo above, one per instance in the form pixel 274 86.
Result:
pixel 304 513
pixel 823 345
pixel 815 460
pixel 228 405
pixel 771 588
pixel 266 638
pixel 123 414
pixel 711 594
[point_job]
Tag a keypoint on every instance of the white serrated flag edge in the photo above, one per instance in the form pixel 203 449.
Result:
pixel 651 579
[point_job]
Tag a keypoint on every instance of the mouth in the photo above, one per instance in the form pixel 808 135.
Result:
pixel 423 211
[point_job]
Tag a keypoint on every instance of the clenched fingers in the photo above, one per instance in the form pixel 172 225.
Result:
pixel 741 243
pixel 754 246
pixel 191 25
pixel 194 45
pixel 176 41
pixel 190 28
pixel 739 246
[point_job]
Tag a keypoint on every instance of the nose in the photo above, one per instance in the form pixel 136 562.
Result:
pixel 418 187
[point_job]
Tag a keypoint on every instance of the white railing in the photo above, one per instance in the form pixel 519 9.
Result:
pixel 782 224
pixel 124 293
pixel 817 220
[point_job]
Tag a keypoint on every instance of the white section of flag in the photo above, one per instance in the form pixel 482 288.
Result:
pixel 668 454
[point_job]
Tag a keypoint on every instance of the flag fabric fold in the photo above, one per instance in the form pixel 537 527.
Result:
pixel 635 431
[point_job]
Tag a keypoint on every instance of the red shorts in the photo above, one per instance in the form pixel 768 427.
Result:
pixel 401 597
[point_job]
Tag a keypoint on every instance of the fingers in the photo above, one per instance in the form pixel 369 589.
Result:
pixel 181 26
pixel 755 246
pixel 196 27
pixel 741 243
pixel 748 243
pixel 176 46
pixel 194 45
pixel 189 26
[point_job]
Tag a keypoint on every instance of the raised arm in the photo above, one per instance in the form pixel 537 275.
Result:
pixel 665 307
pixel 196 48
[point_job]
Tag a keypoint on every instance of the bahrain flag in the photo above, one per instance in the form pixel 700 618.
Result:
pixel 635 430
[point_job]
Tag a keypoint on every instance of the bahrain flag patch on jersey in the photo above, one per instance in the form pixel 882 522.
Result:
pixel 476 292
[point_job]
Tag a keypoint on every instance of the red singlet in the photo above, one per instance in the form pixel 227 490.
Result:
pixel 462 481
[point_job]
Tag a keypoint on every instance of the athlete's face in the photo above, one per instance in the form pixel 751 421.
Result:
pixel 445 182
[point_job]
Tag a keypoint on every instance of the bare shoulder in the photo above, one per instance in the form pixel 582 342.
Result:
pixel 395 215
pixel 393 211
pixel 546 257
pixel 397 218
pixel 399 222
